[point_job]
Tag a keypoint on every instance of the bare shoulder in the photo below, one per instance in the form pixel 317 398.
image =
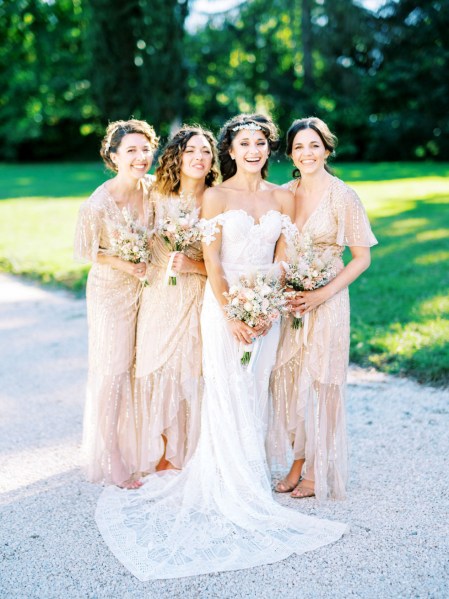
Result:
pixel 214 201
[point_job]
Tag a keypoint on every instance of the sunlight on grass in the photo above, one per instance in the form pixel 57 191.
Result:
pixel 437 306
pixel 433 258
pixel 422 346
pixel 433 235
pixel 40 242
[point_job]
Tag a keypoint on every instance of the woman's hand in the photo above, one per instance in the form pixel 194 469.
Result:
pixel 246 334
pixel 242 332
pixel 136 270
pixel 184 264
pixel 305 301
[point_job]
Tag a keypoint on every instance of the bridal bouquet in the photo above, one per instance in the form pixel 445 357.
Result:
pixel 178 225
pixel 308 269
pixel 129 241
pixel 255 300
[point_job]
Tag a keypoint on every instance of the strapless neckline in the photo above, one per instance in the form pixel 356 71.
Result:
pixel 250 216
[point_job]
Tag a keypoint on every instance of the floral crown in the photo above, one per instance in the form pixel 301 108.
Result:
pixel 250 126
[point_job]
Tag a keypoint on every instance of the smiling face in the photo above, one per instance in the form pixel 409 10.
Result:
pixel 308 152
pixel 197 158
pixel 250 150
pixel 134 156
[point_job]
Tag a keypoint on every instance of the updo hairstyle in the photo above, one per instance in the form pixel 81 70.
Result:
pixel 226 136
pixel 117 130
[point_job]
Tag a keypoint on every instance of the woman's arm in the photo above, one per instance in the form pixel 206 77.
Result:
pixel 308 300
pixel 287 203
pixel 136 270
pixel 184 264
pixel 213 205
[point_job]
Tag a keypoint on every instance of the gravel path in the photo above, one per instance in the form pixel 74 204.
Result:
pixel 50 547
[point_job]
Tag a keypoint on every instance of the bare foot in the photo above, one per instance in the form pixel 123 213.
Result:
pixel 130 484
pixel 304 489
pixel 288 483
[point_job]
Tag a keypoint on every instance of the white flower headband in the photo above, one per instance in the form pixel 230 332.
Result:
pixel 107 145
pixel 249 126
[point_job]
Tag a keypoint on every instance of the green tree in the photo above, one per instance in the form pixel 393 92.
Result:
pixel 292 59
pixel 137 65
pixel 44 99
pixel 409 96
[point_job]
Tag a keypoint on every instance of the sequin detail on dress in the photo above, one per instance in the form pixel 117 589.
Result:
pixel 168 358
pixel 308 382
pixel 109 433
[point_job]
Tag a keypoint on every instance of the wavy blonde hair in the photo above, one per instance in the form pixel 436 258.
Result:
pixel 168 172
pixel 117 130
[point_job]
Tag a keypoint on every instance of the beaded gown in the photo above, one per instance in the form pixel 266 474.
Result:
pixel 109 432
pixel 309 378
pixel 168 357
pixel 218 513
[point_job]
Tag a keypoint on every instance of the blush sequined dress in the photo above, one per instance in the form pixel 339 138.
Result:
pixel 309 378
pixel 109 433
pixel 168 357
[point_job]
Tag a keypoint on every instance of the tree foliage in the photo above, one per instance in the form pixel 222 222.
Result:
pixel 67 67
pixel 409 96
pixel 137 59
pixel 44 89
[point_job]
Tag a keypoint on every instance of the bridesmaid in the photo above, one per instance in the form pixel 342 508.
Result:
pixel 168 351
pixel 308 382
pixel 112 292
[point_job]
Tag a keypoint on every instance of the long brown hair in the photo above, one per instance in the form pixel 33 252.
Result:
pixel 168 172
pixel 227 134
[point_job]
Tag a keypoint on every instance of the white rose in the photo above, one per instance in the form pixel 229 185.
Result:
pixel 235 301
pixel 249 294
pixel 248 306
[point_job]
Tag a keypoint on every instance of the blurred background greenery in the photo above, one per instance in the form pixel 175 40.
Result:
pixel 375 70
pixel 379 78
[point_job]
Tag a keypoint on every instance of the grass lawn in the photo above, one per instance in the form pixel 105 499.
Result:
pixel 400 307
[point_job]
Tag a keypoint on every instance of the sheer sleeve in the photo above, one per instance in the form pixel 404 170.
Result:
pixel 209 228
pixel 353 227
pixel 289 230
pixel 88 232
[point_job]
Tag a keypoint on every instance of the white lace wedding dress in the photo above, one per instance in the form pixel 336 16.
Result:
pixel 218 513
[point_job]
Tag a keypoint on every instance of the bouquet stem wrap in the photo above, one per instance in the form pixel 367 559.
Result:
pixel 245 352
pixel 170 275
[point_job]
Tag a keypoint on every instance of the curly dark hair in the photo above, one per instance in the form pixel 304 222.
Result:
pixel 117 130
pixel 312 122
pixel 168 172
pixel 226 137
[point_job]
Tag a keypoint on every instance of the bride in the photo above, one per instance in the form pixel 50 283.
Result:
pixel 218 513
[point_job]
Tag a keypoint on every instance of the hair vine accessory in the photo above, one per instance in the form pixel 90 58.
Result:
pixel 107 145
pixel 250 126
